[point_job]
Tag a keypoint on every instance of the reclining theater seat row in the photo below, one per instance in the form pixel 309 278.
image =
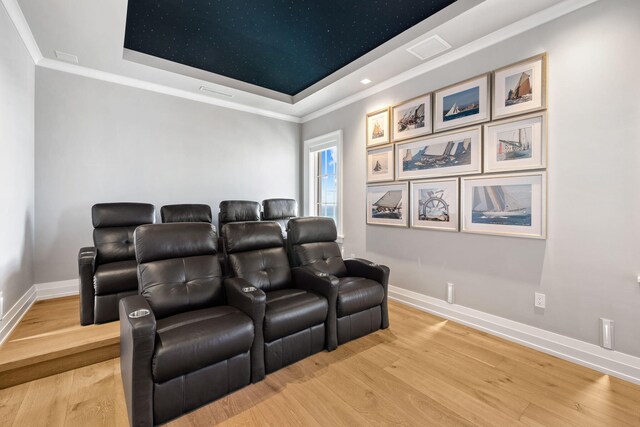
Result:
pixel 188 340
pixel 108 269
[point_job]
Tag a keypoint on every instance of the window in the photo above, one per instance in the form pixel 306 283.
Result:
pixel 323 174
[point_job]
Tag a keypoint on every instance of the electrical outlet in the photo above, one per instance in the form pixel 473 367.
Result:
pixel 450 293
pixel 606 333
pixel 540 300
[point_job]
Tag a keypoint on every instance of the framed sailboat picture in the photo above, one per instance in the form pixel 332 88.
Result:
pixel 506 205
pixel 434 204
pixel 378 127
pixel 380 164
pixel 518 143
pixel 520 88
pixel 412 118
pixel 387 204
pixel 452 153
pixel 462 104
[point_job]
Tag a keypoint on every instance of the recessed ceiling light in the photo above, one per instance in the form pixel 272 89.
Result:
pixel 215 92
pixel 66 57
pixel 365 81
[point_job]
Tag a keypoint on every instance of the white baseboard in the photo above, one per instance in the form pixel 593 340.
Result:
pixel 57 289
pixel 37 292
pixel 609 362
pixel 12 317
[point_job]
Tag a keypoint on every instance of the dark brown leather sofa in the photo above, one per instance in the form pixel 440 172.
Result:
pixel 186 213
pixel 191 343
pixel 108 269
pixel 361 306
pixel 297 302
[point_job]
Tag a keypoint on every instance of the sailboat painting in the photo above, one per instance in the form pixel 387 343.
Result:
pixel 462 104
pixel 512 205
pixel 380 164
pixel 387 204
pixel 454 153
pixel 434 204
pixel 412 118
pixel 520 88
pixel 378 127
pixel 518 143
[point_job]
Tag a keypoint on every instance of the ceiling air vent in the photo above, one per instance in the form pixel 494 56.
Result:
pixel 214 92
pixel 429 47
pixel 64 56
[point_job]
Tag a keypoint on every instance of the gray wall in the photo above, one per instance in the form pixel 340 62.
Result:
pixel 99 141
pixel 16 164
pixel 588 265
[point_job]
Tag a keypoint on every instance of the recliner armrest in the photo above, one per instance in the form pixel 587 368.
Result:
pixel 137 345
pixel 86 268
pixel 358 267
pixel 242 295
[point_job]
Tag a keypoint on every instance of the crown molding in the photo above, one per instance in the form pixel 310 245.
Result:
pixel 491 39
pixel 518 27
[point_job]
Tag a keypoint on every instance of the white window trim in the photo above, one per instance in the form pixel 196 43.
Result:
pixel 311 146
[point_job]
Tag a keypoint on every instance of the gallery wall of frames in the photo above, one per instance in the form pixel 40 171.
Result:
pixel 469 157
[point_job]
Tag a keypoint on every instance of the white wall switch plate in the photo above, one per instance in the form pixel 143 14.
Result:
pixel 450 294
pixel 540 300
pixel 606 333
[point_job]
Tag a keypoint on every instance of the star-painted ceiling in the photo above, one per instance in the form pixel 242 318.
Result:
pixel 281 45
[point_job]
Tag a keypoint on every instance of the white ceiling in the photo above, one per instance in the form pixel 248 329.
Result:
pixel 93 30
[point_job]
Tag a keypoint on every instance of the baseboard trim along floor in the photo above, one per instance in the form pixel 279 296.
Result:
pixel 609 362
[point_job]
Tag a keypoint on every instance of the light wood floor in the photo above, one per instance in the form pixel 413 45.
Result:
pixel 422 371
pixel 49 340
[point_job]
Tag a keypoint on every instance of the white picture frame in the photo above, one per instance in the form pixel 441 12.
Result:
pixel 435 204
pixel 462 104
pixel 513 205
pixel 529 76
pixel 388 204
pixel 453 153
pixel 378 127
pixel 411 118
pixel 380 164
pixel 515 144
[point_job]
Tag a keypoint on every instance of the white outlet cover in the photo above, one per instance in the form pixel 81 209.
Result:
pixel 540 300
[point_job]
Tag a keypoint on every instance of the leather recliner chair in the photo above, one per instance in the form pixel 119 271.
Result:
pixel 181 345
pixel 237 211
pixel 108 269
pixel 361 306
pixel 295 314
pixel 279 211
pixel 186 213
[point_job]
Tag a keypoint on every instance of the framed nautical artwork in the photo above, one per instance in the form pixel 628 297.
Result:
pixel 434 204
pixel 520 88
pixel 378 127
pixel 452 153
pixel 518 143
pixel 387 204
pixel 462 104
pixel 380 164
pixel 506 205
pixel 411 118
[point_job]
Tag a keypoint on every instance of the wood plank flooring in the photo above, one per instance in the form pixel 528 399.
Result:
pixel 49 340
pixel 422 371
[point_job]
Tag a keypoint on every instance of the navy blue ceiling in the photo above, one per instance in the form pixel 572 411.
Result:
pixel 282 45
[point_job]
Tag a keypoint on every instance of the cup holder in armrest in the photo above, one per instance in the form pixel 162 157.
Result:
pixel 139 313
pixel 249 289
pixel 322 274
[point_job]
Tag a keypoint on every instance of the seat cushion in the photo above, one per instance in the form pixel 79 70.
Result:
pixel 292 310
pixel 356 294
pixel 114 277
pixel 193 340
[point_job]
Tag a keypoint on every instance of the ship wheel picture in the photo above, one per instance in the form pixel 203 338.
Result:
pixel 435 208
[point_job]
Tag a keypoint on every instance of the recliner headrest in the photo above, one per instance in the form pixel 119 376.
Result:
pixel 251 236
pixel 186 213
pixel 311 229
pixel 279 208
pixel 122 214
pixel 156 242
pixel 239 210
